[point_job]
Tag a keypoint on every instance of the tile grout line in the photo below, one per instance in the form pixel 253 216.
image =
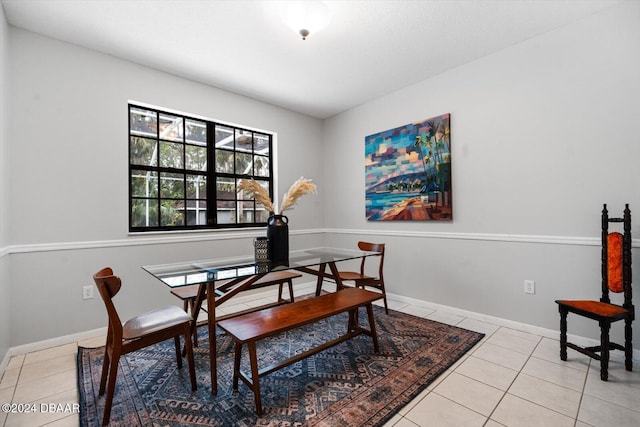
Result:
pixel 467 355
pixel 575 419
pixel 514 379
pixel 584 386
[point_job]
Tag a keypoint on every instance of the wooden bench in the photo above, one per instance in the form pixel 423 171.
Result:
pixel 189 294
pixel 252 327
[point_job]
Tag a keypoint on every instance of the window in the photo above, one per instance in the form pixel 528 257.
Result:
pixel 184 171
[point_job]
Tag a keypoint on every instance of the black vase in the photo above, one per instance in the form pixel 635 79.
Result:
pixel 278 234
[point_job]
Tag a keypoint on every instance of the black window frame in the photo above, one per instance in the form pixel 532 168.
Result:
pixel 211 175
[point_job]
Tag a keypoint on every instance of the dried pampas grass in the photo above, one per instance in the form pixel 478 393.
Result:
pixel 258 192
pixel 298 189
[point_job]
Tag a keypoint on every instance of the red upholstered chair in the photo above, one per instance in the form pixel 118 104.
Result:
pixel 616 277
pixel 360 279
pixel 141 331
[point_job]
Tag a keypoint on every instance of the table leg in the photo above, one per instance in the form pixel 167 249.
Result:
pixel 211 324
pixel 195 312
pixel 372 328
pixel 336 276
pixel 321 270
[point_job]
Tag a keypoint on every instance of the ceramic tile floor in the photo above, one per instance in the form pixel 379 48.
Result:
pixel 511 378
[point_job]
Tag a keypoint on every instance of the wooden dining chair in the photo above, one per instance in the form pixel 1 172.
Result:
pixel 616 278
pixel 362 280
pixel 138 332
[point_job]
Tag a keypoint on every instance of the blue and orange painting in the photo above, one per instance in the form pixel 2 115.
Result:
pixel 408 172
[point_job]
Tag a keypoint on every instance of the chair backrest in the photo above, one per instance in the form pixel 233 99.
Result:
pixel 616 257
pixel 108 286
pixel 372 247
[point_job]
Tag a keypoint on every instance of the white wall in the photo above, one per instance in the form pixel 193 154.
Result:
pixel 543 134
pixel 69 183
pixel 4 186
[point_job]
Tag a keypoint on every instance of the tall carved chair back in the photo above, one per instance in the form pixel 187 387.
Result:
pixel 616 278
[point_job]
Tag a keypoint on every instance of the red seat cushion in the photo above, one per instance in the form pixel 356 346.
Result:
pixel 596 307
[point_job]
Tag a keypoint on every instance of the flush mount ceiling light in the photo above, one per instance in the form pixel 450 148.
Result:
pixel 306 17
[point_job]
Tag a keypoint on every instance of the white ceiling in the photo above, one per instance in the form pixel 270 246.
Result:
pixel 370 47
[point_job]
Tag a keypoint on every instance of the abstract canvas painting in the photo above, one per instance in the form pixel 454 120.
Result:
pixel 408 172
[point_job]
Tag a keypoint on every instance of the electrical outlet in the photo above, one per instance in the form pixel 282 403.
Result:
pixel 87 292
pixel 529 287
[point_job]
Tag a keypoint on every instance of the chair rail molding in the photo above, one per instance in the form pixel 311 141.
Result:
pixel 135 239
pixel 487 237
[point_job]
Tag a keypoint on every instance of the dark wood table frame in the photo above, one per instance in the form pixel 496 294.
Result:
pixel 217 296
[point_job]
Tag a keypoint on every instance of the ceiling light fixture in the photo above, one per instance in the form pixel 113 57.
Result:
pixel 306 17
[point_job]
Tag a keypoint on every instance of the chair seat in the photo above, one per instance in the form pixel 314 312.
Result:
pixel 601 309
pixel 272 278
pixel 155 320
pixel 352 275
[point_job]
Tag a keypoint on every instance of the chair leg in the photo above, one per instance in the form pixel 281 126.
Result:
pixel 384 298
pixel 105 370
pixel 176 340
pixel 189 349
pixel 384 294
pixel 111 386
pixel 604 351
pixel 628 348
pixel 563 333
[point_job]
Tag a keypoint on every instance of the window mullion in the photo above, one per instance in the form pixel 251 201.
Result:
pixel 159 196
pixel 212 210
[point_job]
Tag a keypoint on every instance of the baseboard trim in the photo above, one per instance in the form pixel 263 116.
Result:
pixel 56 342
pixel 306 288
pixel 498 321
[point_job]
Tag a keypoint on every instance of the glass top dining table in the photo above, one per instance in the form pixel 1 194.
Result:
pixel 222 278
pixel 213 270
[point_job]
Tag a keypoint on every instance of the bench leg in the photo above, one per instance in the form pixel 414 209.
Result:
pixel 290 282
pixel 280 286
pixel 255 378
pixel 353 320
pixel 236 365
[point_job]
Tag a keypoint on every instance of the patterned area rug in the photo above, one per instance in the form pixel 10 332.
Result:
pixel 346 385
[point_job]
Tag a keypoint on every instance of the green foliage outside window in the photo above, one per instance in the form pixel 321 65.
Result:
pixel 169 174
